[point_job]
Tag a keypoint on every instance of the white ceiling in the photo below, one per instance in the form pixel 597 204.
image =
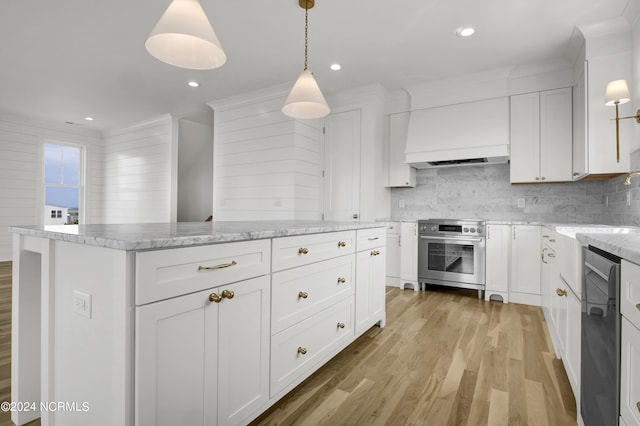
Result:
pixel 67 59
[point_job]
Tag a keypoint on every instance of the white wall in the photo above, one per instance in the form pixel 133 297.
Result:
pixel 195 171
pixel 21 194
pixel 140 163
pixel 266 166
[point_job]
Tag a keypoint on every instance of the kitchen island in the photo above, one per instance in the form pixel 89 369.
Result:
pixel 183 323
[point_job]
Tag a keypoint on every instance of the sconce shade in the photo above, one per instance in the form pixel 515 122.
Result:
pixel 617 92
pixel 184 37
pixel 305 99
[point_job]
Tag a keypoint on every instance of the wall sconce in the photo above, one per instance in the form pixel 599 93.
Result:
pixel 618 93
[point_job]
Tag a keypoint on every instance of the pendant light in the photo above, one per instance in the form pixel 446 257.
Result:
pixel 184 37
pixel 305 99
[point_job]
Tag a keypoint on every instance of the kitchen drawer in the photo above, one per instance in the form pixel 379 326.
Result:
pixel 290 252
pixel 370 238
pixel 297 351
pixel 162 274
pixel 630 374
pixel 630 292
pixel 301 292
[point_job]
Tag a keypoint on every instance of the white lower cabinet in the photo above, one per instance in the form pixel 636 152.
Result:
pixel 524 285
pixel 409 255
pixel 202 358
pixel 630 350
pixel 393 254
pixel 370 286
pixel 497 267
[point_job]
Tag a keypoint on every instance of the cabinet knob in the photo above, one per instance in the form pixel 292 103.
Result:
pixel 576 173
pixel 544 178
pixel 302 351
pixel 303 250
pixel 214 297
pixel 342 244
pixel 375 252
pixel 560 292
pixel 303 295
pixel 537 178
pixel 228 294
pixel 340 325
pixel 552 240
pixel 341 280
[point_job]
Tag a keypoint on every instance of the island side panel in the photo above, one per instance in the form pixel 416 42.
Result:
pixel 93 355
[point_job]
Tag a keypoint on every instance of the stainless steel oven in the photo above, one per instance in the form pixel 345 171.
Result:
pixel 452 253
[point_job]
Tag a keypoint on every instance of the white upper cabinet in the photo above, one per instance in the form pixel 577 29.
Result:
pixel 541 136
pixel 400 173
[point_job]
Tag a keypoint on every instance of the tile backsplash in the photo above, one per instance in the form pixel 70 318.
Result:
pixel 485 192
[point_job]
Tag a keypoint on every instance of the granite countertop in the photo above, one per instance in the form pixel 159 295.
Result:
pixel 147 236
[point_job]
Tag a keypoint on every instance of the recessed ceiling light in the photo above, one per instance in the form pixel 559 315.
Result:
pixel 465 31
pixel 335 67
pixel 89 118
pixel 193 84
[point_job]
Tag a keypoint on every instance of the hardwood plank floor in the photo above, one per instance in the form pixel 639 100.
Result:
pixel 444 358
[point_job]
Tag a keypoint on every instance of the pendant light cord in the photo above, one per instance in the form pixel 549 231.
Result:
pixel 306 35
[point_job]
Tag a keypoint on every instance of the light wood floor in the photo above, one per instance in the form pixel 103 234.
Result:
pixel 444 358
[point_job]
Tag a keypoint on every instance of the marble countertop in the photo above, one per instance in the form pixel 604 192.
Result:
pixel 148 236
pixel 626 246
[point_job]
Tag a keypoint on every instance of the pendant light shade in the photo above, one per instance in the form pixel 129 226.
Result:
pixel 184 37
pixel 305 99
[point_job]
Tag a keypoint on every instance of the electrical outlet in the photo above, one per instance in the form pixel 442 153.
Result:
pixel 401 204
pixel 82 303
pixel 521 203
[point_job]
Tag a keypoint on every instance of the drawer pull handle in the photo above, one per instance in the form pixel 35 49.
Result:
pixel 228 294
pixel 542 255
pixel 375 252
pixel 215 297
pixel 220 266
pixel 560 292
pixel 303 295
pixel 342 243
pixel 341 280
pixel 303 250
pixel 373 238
pixel 551 255
pixel 340 325
pixel 302 351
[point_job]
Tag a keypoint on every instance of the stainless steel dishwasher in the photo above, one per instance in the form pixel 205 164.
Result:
pixel 600 342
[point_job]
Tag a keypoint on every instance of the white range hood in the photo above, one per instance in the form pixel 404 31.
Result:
pixel 464 133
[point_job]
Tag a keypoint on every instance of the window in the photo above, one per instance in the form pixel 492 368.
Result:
pixel 62 182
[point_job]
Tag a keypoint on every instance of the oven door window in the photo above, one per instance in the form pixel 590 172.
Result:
pixel 453 257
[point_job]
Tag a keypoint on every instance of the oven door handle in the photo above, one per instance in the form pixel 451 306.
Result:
pixel 473 240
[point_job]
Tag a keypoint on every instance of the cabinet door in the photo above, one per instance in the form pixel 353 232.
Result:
pixel 369 288
pixel 560 291
pixel 243 341
pixel 409 252
pixel 525 263
pixel 630 373
pixel 525 138
pixel 400 174
pixel 498 237
pixel 176 361
pixel 555 135
pixel 342 166
pixel 572 345
pixel 393 252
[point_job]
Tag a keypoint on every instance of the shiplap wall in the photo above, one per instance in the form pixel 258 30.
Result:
pixel 266 165
pixel 21 195
pixel 140 173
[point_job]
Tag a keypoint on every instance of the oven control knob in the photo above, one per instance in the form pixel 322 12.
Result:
pixel 479 230
pixel 434 228
pixel 473 230
pixel 465 229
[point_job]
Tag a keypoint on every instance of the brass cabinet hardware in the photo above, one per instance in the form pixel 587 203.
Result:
pixel 544 178
pixel 373 238
pixel 545 236
pixel 638 405
pixel 537 178
pixel 340 325
pixel 551 255
pixel 560 292
pixel 374 252
pixel 227 294
pixel 303 295
pixel 542 255
pixel 215 297
pixel 341 280
pixel 552 240
pixel 220 266
pixel 342 243
pixel 303 250
pixel 576 173
pixel 302 351
pixel 638 306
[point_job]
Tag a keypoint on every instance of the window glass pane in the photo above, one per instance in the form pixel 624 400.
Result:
pixel 61 197
pixel 52 163
pixel 71 165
